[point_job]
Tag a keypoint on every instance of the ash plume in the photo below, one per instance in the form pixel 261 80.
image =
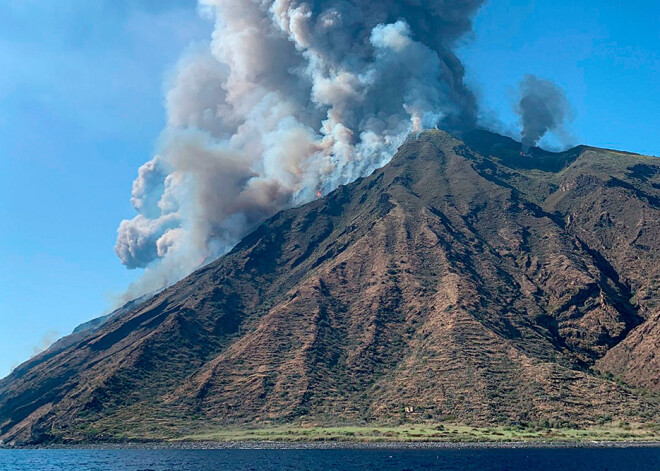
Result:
pixel 542 107
pixel 292 99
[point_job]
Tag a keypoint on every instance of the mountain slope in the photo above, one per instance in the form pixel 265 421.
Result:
pixel 460 280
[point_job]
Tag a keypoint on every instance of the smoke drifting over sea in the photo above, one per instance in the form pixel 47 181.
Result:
pixel 292 98
pixel 542 107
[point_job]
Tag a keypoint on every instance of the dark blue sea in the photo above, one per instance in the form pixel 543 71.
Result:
pixel 525 459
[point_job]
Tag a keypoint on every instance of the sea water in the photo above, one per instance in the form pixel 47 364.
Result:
pixel 521 459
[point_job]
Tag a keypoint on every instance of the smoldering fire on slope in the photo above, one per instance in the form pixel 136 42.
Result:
pixel 292 98
pixel 47 340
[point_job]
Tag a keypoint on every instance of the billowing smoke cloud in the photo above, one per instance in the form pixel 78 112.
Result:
pixel 542 107
pixel 293 97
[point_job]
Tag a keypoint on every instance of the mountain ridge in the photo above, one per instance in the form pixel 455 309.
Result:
pixel 457 281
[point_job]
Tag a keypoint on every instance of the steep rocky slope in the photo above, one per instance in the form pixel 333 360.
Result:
pixel 461 280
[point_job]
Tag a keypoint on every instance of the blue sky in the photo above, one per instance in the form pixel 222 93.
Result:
pixel 81 107
pixel 605 55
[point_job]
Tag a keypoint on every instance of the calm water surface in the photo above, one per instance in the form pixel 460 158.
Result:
pixel 615 459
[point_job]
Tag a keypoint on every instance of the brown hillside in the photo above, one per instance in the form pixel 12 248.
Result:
pixel 459 280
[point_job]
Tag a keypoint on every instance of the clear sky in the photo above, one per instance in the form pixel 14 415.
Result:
pixel 81 106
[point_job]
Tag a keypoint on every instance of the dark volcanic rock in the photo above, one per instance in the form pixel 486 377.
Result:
pixel 460 280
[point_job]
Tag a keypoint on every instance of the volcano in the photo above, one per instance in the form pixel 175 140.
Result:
pixel 461 280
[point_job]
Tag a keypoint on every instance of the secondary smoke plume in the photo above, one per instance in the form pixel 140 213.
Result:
pixel 46 341
pixel 292 99
pixel 542 107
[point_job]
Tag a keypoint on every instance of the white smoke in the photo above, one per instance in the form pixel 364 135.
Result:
pixel 292 98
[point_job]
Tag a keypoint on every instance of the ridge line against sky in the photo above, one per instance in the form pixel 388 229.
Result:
pixel 81 108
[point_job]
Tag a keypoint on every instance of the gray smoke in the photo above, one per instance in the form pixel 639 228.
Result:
pixel 292 98
pixel 542 107
pixel 47 340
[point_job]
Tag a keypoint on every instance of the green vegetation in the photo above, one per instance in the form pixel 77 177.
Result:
pixel 434 433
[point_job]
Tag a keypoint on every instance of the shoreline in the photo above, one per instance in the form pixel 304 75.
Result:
pixel 336 445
